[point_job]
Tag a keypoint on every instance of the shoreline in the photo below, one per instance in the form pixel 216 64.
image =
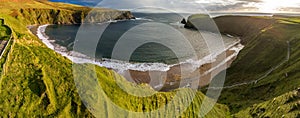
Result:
pixel 140 74
pixel 172 78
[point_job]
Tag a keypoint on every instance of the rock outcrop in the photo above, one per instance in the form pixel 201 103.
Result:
pixel 201 22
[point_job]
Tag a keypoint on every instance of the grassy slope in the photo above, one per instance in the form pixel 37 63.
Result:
pixel 112 93
pixel 36 81
pixel 286 105
pixel 264 48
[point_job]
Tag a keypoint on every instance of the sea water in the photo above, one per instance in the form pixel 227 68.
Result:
pixel 147 57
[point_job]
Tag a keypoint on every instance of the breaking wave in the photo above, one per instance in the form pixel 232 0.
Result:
pixel 121 66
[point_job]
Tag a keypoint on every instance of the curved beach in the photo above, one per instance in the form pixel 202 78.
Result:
pixel 170 75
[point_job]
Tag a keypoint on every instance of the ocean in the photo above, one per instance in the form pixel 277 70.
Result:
pixel 153 27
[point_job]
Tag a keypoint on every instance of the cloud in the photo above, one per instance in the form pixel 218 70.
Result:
pixel 178 5
pixel 274 5
pixel 197 5
pixel 173 5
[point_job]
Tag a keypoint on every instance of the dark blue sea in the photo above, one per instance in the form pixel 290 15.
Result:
pixel 153 27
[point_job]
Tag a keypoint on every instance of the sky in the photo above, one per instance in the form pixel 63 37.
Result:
pixel 264 6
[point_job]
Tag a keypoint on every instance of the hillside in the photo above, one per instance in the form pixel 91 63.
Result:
pixel 269 63
pixel 38 82
pixel 267 67
pixel 116 102
pixel 286 105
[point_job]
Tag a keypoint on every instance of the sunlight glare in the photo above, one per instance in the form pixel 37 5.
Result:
pixel 272 6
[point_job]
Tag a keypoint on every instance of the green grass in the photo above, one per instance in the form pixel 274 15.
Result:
pixel 286 105
pixel 261 53
pixel 113 93
pixel 288 20
pixel 37 82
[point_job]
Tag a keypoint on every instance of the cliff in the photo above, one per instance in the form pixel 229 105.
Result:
pixel 44 12
pixel 200 22
pixel 63 16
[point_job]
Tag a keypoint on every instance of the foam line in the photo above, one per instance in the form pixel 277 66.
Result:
pixel 121 66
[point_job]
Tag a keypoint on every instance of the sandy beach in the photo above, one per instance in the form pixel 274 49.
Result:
pixel 174 78
pixel 178 75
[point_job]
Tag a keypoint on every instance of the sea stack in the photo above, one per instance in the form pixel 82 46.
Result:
pixel 183 21
pixel 201 22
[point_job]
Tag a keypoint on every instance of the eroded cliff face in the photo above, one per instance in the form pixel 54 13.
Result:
pixel 67 16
